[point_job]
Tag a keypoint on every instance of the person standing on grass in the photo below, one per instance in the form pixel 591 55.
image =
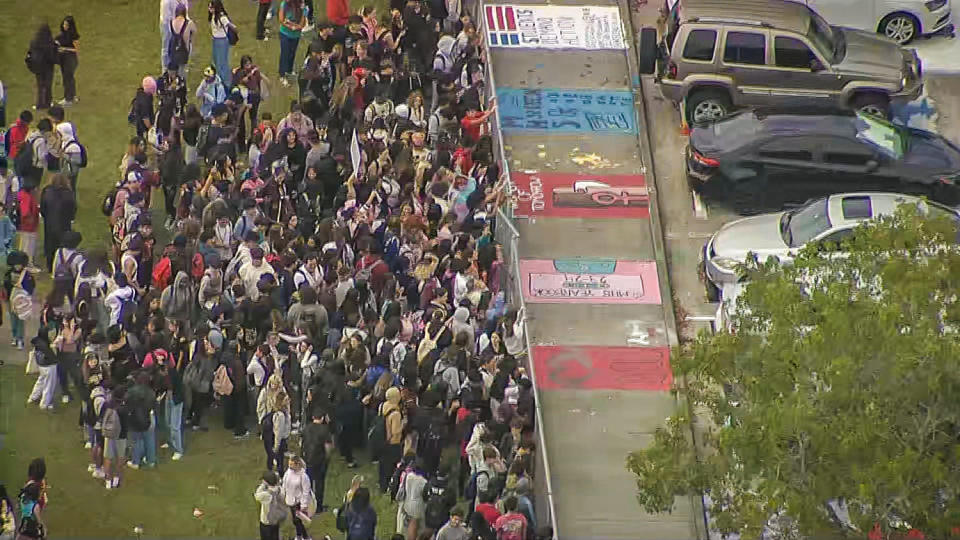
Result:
pixel 46 358
pixel 29 221
pixel 210 92
pixel 58 208
pixel 71 153
pixel 180 45
pixel 141 109
pixel 297 493
pixel 271 501
pixel 292 20
pixel 262 11
pixel 114 418
pixel 361 518
pixel 167 371
pixel 17 134
pixel 168 10
pixel 42 57
pixel 248 76
pixel 67 46
pixel 142 401
pixel 275 428
pixel 31 171
pixel 219 25
pixel 317 444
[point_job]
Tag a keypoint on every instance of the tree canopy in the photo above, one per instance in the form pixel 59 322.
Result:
pixel 840 381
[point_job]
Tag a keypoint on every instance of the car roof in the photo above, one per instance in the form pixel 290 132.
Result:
pixel 749 127
pixel 781 14
pixel 850 209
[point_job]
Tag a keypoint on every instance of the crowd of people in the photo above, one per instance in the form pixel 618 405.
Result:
pixel 332 281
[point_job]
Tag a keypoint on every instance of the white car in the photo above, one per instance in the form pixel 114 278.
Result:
pixel 899 20
pixel 781 235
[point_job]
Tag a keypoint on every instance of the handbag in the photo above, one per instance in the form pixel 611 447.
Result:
pixel 232 36
pixel 20 301
pixel 32 367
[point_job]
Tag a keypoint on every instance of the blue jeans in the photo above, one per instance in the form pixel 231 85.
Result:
pixel 288 52
pixel 145 444
pixel 16 326
pixel 221 60
pixel 164 41
pixel 174 413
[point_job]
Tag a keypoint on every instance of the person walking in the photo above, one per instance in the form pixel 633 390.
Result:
pixel 41 59
pixel 68 44
pixel 180 45
pixel 58 209
pixel 292 20
pixel 297 493
pixel 317 444
pixel 220 28
pixel 262 10
pixel 168 10
pixel 393 447
pixel 360 518
pixel 273 509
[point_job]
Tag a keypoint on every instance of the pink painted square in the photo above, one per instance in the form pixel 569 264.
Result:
pixel 631 282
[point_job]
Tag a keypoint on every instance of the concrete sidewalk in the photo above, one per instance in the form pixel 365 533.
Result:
pixel 595 296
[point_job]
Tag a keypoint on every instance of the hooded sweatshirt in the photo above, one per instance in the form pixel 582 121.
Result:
pixel 394 422
pixel 177 299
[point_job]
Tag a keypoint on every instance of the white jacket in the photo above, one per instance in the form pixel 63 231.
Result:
pixel 296 487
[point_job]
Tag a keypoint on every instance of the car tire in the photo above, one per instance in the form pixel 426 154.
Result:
pixel 707 105
pixel 647 51
pixel 872 103
pixel 900 27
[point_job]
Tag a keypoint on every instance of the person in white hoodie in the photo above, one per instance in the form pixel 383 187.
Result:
pixel 298 493
pixel 252 271
pixel 270 497
pixel 115 300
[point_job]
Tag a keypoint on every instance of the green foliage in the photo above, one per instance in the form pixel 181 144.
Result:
pixel 840 381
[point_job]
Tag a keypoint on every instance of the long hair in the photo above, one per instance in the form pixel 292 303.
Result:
pixel 218 11
pixel 71 31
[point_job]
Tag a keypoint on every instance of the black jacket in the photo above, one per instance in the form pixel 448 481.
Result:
pixel 57 208
pixel 315 438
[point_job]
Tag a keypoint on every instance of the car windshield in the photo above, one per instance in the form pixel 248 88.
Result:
pixel 885 136
pixel 797 227
pixel 829 43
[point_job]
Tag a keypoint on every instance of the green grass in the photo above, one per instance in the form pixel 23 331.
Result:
pixel 217 475
pixel 119 45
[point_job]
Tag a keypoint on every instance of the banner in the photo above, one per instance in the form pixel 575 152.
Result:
pixel 555 27
pixel 586 281
pixel 591 112
pixel 548 194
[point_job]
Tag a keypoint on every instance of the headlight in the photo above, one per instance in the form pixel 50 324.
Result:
pixel 934 5
pixel 725 263
pixel 903 83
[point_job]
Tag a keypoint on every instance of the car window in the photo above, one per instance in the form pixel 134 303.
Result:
pixel 845 158
pixel 837 151
pixel 836 237
pixel 792 53
pixel 804 224
pixel 881 134
pixel 744 48
pixel 856 208
pixel 700 45
pixel 792 148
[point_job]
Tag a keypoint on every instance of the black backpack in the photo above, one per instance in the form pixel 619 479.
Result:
pixel 23 163
pixel 433 438
pixel 377 436
pixel 63 276
pixel 83 153
pixel 437 510
pixel 177 48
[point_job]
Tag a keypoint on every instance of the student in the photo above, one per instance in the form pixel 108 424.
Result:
pixel 454 529
pixel 46 359
pixel 273 509
pixel 361 519
pixel 113 425
pixel 17 276
pixel 275 428
pixel 43 59
pixel 67 45
pixel 7 233
pixel 297 493
pixel 317 444
pixel 512 525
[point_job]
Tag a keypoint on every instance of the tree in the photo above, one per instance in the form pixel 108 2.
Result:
pixel 840 382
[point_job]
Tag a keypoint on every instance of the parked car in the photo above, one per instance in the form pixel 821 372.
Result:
pixel 754 162
pixel 719 54
pixel 827 220
pixel 899 20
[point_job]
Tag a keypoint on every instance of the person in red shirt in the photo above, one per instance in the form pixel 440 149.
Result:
pixel 338 11
pixel 487 508
pixel 29 220
pixel 18 133
pixel 474 122
pixel 513 524
pixel 372 263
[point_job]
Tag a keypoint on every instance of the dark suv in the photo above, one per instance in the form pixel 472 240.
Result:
pixel 719 54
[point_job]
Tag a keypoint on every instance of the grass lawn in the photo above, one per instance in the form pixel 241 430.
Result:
pixel 119 45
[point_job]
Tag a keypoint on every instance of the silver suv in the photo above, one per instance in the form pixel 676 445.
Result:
pixel 719 54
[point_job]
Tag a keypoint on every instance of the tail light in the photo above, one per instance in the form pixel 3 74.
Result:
pixel 671 70
pixel 703 160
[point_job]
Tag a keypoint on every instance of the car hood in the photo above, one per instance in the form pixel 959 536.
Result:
pixel 869 55
pixel 759 234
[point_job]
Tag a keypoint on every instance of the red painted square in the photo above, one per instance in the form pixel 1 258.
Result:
pixel 602 368
pixel 613 196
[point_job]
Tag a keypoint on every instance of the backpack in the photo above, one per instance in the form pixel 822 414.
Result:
pixel 432 440
pixel 196 266
pixel 437 510
pixel 366 272
pixel 131 117
pixel 377 436
pixel 83 153
pixel 127 306
pixel 177 49
pixel 470 490
pixel 427 344
pixel 64 274
pixel 23 163
pixel 161 273
pixel 140 416
pixel 30 61
pixel 29 525
pixel 397 479
pixel 109 202
pixel 278 510
pixel 110 424
pixel 222 385
pixel 202 135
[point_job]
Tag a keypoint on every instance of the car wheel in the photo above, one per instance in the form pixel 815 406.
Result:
pixel 707 106
pixel 875 104
pixel 647 51
pixel 900 27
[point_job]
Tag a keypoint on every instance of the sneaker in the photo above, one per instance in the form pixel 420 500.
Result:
pixel 150 465
pixel 177 456
pixel 13 343
pixel 164 446
pixel 65 102
pixel 88 445
pixel 241 436
pixel 307 28
pixel 98 473
pixel 47 407
pixel 20 345
pixel 108 484
pixel 269 16
pixel 31 401
pixel 91 467
pixel 116 482
pixel 352 465
pixel 65 400
pixel 284 82
pixel 133 465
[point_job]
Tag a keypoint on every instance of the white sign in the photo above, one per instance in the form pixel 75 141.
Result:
pixel 355 154
pixel 554 27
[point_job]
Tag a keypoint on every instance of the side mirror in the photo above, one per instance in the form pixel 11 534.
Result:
pixel 816 65
pixel 872 165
